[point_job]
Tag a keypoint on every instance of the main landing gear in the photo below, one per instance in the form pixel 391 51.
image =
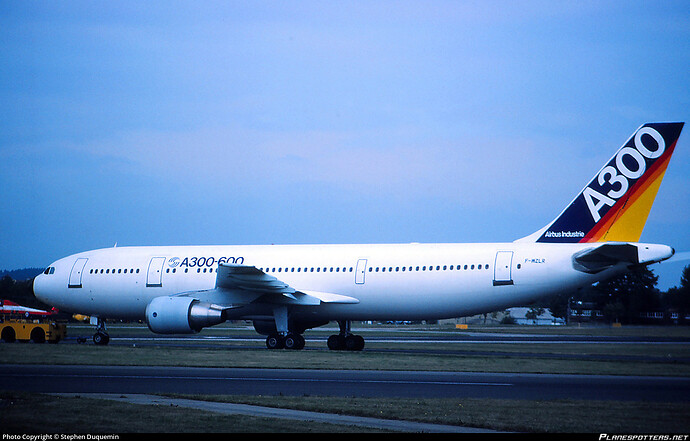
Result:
pixel 282 338
pixel 345 340
pixel 289 341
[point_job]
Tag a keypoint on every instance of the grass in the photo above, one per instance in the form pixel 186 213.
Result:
pixel 37 413
pixel 562 416
pixel 523 358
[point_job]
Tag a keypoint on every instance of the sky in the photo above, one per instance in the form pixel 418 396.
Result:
pixel 183 123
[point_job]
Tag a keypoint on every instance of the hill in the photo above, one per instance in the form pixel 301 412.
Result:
pixel 22 274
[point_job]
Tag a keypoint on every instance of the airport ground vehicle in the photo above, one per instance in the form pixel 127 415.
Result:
pixel 35 330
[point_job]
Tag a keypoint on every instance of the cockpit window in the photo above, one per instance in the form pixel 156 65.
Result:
pixel 49 270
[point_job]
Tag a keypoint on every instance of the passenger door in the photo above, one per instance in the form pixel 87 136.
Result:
pixel 76 273
pixel 503 268
pixel 154 276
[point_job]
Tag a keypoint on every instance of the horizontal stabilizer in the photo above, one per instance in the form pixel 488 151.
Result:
pixel 597 259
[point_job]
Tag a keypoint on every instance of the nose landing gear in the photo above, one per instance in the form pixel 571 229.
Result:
pixel 101 337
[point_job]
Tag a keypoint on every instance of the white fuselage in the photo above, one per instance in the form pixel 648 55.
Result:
pixel 391 282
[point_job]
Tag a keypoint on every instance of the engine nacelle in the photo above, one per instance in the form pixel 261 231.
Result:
pixel 181 315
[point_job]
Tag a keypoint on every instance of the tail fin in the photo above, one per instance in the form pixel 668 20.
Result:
pixel 614 206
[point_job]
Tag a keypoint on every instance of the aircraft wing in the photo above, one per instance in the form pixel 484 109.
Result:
pixel 247 284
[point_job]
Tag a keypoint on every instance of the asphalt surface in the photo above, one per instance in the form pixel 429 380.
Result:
pixel 438 343
pixel 299 382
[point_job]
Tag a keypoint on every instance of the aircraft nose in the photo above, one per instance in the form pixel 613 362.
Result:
pixel 38 287
pixel 42 286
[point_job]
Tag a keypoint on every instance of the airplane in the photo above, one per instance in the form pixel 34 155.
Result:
pixel 286 289
pixel 9 307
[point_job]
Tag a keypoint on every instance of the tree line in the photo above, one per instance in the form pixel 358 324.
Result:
pixel 627 299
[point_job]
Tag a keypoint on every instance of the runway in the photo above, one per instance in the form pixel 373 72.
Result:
pixel 299 382
pixel 404 341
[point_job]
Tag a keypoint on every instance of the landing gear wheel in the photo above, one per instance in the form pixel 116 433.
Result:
pixel 101 338
pixel 275 341
pixel 354 342
pixel 345 340
pixel 336 342
pixel 294 341
pixel 349 342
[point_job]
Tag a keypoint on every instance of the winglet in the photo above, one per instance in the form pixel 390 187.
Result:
pixel 614 206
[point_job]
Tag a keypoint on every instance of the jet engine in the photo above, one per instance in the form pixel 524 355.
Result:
pixel 181 315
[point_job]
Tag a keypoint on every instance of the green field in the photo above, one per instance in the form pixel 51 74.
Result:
pixel 669 359
pixel 248 351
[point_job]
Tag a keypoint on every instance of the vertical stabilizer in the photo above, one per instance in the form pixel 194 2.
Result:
pixel 614 206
